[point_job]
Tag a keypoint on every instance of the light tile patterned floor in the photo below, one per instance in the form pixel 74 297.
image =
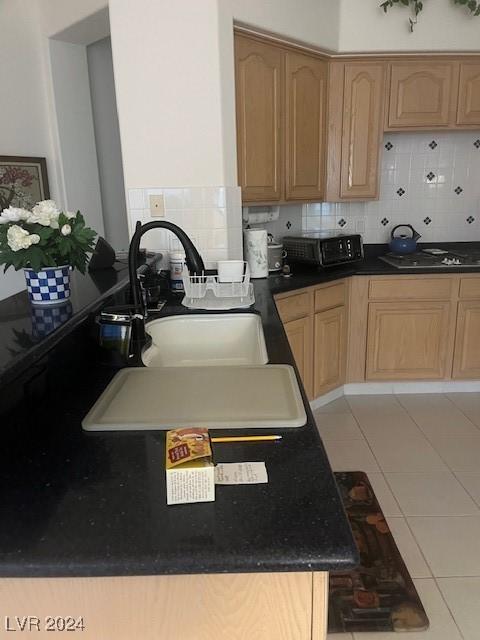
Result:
pixel 422 455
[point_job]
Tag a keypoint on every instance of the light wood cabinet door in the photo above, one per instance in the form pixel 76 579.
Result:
pixel 408 340
pixel 259 95
pixel 305 89
pixel 468 110
pixel 466 361
pixel 330 339
pixel 300 337
pixel 363 96
pixel 421 94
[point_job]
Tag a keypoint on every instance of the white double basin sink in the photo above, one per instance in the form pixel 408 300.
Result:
pixel 205 370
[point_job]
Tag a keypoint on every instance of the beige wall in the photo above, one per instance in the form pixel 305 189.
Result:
pixel 311 21
pixel 441 27
pixel 167 63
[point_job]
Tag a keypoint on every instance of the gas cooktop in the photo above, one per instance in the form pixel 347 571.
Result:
pixel 433 258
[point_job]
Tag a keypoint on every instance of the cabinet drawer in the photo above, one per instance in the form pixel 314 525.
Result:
pixel 330 297
pixel 399 288
pixel 470 288
pixel 294 307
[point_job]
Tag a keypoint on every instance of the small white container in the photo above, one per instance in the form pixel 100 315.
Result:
pixel 177 260
pixel 230 270
pixel 255 243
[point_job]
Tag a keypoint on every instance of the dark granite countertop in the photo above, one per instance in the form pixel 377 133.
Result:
pixel 93 504
pixel 28 332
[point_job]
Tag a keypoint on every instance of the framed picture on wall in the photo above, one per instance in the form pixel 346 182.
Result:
pixel 23 181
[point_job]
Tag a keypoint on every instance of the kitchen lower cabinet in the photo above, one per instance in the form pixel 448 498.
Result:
pixel 408 340
pixel 330 340
pixel 299 334
pixel 264 606
pixel 466 361
pixel 315 321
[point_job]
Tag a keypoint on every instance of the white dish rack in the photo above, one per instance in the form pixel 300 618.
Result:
pixel 207 292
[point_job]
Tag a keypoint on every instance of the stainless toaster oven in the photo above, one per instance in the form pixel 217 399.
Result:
pixel 324 249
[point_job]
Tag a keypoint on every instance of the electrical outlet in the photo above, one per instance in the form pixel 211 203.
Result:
pixel 157 206
pixel 360 225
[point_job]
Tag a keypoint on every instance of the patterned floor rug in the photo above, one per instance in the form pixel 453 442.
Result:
pixel 379 595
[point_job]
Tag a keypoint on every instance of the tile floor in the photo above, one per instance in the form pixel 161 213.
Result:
pixel 422 455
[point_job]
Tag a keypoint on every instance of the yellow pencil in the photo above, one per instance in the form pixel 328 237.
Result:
pixel 245 438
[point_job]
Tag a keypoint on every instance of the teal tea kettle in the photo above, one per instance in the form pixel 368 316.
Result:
pixel 403 243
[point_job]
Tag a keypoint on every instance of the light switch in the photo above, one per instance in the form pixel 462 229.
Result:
pixel 360 225
pixel 157 206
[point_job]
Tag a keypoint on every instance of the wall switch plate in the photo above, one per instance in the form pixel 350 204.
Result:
pixel 157 206
pixel 360 226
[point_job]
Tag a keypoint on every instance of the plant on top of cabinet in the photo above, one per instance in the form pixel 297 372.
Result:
pixel 417 7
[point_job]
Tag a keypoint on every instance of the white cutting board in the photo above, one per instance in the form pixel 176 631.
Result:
pixel 214 397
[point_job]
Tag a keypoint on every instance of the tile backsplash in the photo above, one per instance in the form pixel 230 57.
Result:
pixel 429 180
pixel 211 216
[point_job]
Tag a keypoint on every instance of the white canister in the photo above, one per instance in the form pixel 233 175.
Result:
pixel 177 260
pixel 255 241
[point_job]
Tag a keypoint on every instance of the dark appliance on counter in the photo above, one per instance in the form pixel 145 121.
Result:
pixel 324 249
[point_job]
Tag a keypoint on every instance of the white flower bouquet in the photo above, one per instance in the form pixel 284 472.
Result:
pixel 44 237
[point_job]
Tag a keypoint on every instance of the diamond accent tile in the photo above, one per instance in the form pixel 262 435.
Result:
pixel 458 190
pixel 384 221
pixel 430 176
pixel 427 220
pixel 477 144
pixel 433 144
pixel 389 146
pixel 289 224
pixel 400 191
pixel 470 219
pixel 342 222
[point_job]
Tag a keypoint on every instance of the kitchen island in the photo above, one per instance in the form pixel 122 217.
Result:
pixel 86 533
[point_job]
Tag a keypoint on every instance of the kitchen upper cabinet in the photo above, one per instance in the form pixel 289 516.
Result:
pixel 422 94
pixel 356 103
pixel 281 99
pixel 408 340
pixel 466 362
pixel 306 93
pixel 259 100
pixel 330 340
pixel 468 109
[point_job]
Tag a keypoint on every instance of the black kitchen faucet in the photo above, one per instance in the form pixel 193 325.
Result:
pixel 192 258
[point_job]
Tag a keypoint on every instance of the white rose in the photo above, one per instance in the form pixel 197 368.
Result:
pixel 13 214
pixel 70 214
pixel 46 207
pixel 66 230
pixel 16 238
pixel 45 213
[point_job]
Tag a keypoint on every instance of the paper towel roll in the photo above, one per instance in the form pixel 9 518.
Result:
pixel 255 241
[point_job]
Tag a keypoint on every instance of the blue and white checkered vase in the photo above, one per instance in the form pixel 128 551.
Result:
pixel 50 285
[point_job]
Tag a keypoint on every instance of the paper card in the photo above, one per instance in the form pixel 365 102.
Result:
pixel 241 473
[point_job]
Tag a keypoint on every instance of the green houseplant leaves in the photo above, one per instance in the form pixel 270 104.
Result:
pixel 417 6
